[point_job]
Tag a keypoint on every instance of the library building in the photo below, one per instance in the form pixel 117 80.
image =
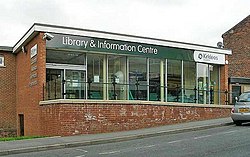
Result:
pixel 64 81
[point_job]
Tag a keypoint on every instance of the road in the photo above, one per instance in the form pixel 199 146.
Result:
pixel 226 141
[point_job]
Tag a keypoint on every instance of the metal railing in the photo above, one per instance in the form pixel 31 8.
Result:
pixel 133 91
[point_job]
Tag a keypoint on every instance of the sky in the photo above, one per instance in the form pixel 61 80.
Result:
pixel 191 21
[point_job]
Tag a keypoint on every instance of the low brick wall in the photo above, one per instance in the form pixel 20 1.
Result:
pixel 72 117
pixel 8 132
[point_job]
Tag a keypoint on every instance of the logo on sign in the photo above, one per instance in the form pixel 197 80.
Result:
pixel 207 57
pixel 200 56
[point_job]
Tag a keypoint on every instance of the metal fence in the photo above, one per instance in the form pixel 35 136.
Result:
pixel 133 91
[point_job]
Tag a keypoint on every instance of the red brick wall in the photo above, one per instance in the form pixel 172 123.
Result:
pixel 89 118
pixel 238 39
pixel 8 95
pixel 28 96
pixel 224 83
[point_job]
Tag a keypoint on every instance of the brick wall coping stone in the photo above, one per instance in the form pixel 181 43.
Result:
pixel 129 102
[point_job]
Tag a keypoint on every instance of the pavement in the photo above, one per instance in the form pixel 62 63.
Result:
pixel 57 142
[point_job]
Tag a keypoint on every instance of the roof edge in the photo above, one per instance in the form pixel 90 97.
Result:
pixel 241 80
pixel 38 27
pixel 6 48
pixel 30 31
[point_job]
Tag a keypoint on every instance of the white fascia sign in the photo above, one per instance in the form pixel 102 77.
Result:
pixel 207 57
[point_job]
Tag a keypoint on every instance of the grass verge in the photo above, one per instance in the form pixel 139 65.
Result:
pixel 19 138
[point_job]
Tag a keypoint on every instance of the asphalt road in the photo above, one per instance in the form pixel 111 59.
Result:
pixel 226 141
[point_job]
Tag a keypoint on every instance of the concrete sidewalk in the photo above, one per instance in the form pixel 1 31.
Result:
pixel 41 144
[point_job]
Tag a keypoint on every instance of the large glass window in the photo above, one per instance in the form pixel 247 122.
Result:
pixel 214 84
pixel 110 77
pixel 174 81
pixel 154 79
pixel 65 75
pixel 65 57
pixel 137 78
pixel 203 86
pixel 95 76
pixel 189 82
pixel 117 71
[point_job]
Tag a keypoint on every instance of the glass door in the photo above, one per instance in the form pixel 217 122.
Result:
pixel 75 83
pixel 54 84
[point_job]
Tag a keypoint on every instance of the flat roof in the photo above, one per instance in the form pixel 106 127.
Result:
pixel 37 27
pixel 6 48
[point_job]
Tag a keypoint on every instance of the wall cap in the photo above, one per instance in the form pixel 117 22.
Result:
pixel 129 102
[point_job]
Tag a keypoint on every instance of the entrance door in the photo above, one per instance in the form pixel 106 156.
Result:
pixel 54 84
pixel 75 84
pixel 21 124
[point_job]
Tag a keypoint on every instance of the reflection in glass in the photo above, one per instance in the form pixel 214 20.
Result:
pixel 214 84
pixel 71 64
pixel 203 91
pixel 189 82
pixel 53 84
pixel 75 84
pixel 65 57
pixel 174 81
pixel 137 78
pixel 134 78
pixel 95 76
pixel 154 79
pixel 117 73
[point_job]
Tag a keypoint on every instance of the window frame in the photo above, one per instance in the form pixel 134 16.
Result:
pixel 2 64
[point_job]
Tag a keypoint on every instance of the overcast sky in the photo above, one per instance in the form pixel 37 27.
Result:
pixel 193 21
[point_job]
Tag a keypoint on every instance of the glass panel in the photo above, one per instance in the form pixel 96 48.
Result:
pixel 53 84
pixel 75 84
pixel 117 72
pixel 174 81
pixel 154 79
pixel 202 75
pixel 236 91
pixel 137 78
pixel 95 76
pixel 163 80
pixel 244 97
pixel 65 57
pixel 214 84
pixel 189 82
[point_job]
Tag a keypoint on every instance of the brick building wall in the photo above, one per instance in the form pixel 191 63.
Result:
pixel 224 83
pixel 23 82
pixel 66 119
pixel 238 40
pixel 8 95
pixel 31 74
